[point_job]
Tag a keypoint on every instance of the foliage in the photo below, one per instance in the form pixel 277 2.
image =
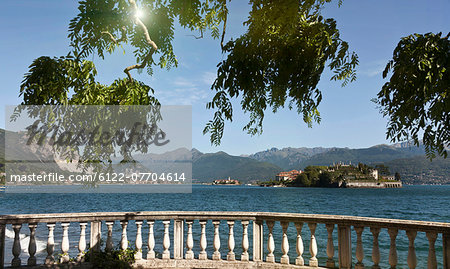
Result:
pixel 364 168
pixel 279 61
pixel 303 180
pixel 416 99
pixel 98 24
pixel 329 177
pixel 325 179
pixel 71 81
pixel 116 258
pixel 50 81
pixel 312 177
pixel 383 170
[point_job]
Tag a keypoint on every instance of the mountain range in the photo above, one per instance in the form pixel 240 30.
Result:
pixel 408 160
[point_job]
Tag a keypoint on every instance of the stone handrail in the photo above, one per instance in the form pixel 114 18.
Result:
pixel 181 253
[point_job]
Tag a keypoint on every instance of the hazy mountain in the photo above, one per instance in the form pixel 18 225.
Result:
pixel 210 166
pixel 375 154
pixel 287 158
pixel 299 158
pixel 420 170
pixel 32 159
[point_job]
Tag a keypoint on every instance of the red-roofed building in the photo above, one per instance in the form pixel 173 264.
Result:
pixel 288 176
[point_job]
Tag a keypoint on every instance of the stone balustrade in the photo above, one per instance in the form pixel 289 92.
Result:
pixel 179 252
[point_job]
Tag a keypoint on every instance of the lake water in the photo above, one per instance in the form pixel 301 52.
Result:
pixel 428 203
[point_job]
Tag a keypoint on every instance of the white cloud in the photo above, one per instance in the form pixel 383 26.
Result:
pixel 187 91
pixel 208 78
pixel 182 82
pixel 374 68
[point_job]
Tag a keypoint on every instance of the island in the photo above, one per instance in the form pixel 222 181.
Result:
pixel 228 181
pixel 338 175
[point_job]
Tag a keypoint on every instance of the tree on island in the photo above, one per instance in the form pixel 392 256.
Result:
pixel 383 170
pixel 277 62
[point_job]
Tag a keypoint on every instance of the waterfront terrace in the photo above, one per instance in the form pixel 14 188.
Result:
pixel 257 248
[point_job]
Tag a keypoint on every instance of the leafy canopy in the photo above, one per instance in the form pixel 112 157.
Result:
pixel 277 62
pixel 416 99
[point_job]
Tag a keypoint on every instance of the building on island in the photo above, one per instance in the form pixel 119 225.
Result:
pixel 374 173
pixel 389 178
pixel 288 176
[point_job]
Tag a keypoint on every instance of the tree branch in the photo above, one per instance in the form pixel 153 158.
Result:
pixel 224 24
pixel 138 22
pixel 137 66
pixel 110 36
pixel 122 39
pixel 198 37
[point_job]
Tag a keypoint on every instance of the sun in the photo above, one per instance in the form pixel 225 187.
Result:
pixel 139 14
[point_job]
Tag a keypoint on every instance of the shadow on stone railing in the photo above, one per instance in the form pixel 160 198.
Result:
pixel 186 246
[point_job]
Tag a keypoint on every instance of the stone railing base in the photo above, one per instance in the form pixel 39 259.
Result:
pixel 158 263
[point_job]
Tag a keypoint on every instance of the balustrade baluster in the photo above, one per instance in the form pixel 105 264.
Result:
pixel 393 248
pixel 65 243
pixel 16 262
pixel 189 241
pixel 203 255
pixel 245 243
pixel 330 246
pixel 32 244
pixel 178 239
pixel 313 262
pixel 446 249
pixel 432 263
pixel 124 239
pixel 82 242
pixel 166 241
pixel 258 240
pixel 412 259
pixel 50 244
pixel 216 254
pixel 96 235
pixel 109 241
pixel 285 243
pixel 151 240
pixel 299 246
pixel 138 243
pixel 344 246
pixel 359 247
pixel 2 244
pixel 375 248
pixel 270 242
pixel 230 255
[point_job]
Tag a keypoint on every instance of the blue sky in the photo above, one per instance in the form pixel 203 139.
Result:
pixel 31 29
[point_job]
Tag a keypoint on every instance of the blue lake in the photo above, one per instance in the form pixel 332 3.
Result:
pixel 428 203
